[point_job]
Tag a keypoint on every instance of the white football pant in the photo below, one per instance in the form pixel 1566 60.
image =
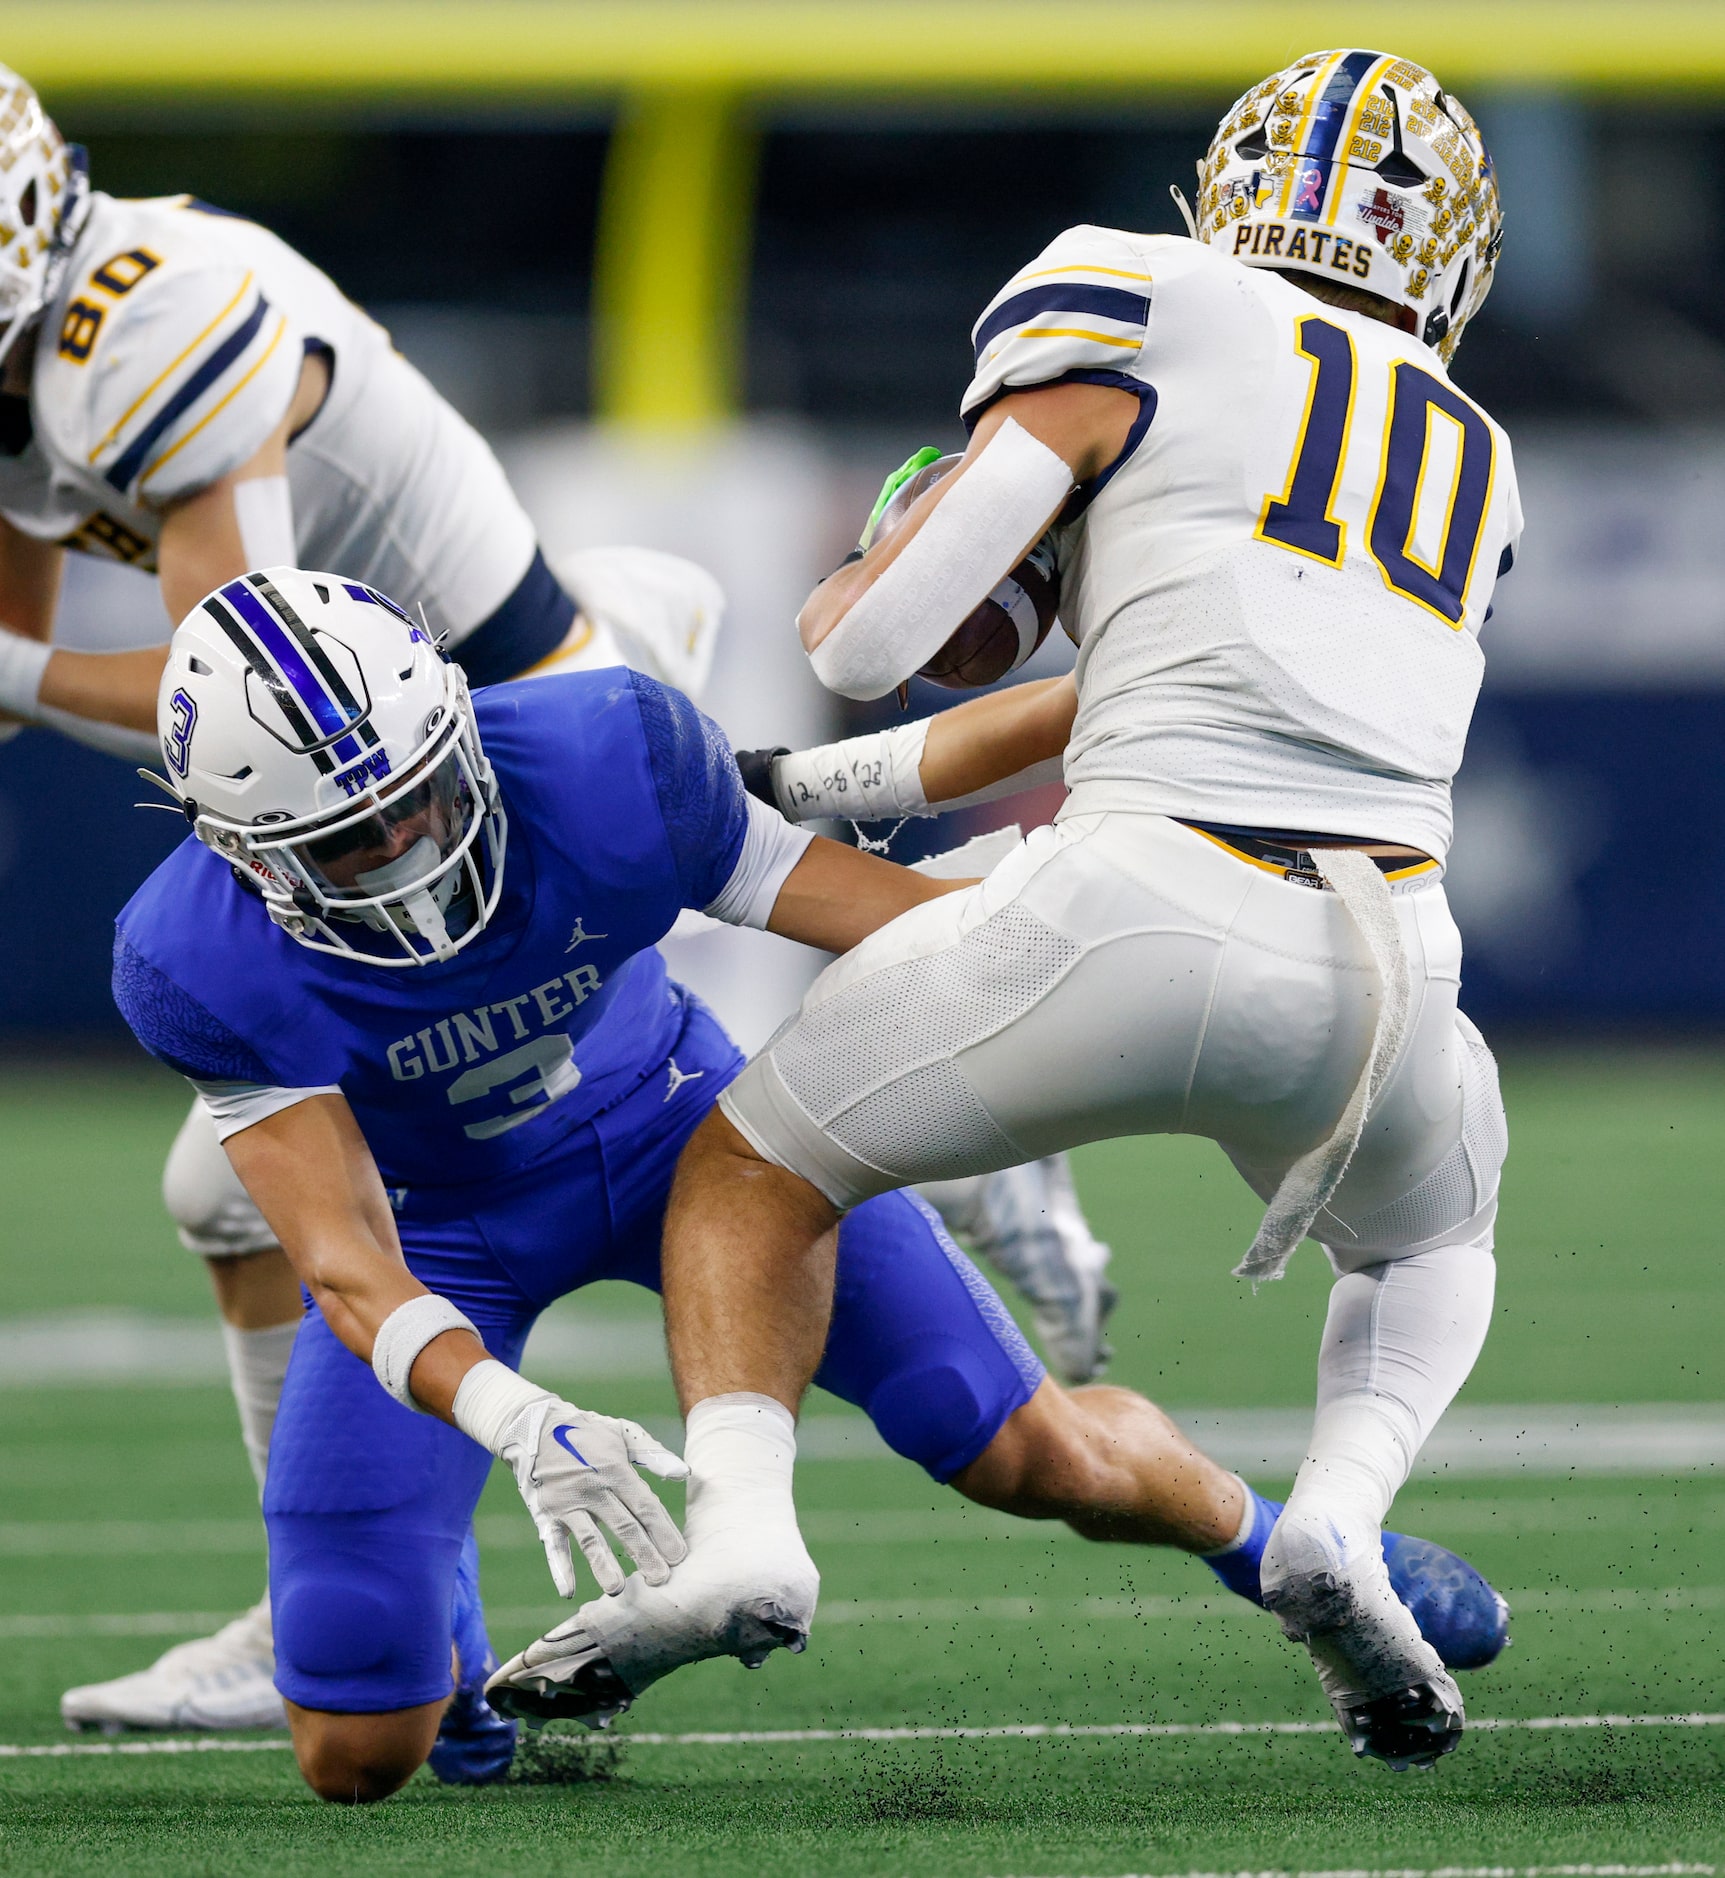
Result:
pixel 1120 974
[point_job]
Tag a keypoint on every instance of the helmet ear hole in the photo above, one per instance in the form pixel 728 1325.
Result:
pixel 1460 294
pixel 1255 144
pixel 27 204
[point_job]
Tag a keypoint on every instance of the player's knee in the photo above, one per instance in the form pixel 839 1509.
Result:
pixel 1054 1458
pixel 1456 1203
pixel 213 1212
pixel 356 1760
pixel 938 1405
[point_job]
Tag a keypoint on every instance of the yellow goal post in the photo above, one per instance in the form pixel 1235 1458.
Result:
pixel 688 78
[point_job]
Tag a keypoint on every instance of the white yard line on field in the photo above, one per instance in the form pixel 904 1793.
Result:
pixel 1008 1731
pixel 86 1349
pixel 17 1627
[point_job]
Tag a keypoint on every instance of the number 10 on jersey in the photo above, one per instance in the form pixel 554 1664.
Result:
pixel 1422 409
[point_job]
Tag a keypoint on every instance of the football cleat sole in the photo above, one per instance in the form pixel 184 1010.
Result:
pixel 1413 1728
pixel 580 1685
pixel 1391 1706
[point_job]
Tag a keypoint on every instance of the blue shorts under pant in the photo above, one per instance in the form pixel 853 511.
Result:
pixel 368 1504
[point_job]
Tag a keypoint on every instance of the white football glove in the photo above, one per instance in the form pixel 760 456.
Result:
pixel 576 1471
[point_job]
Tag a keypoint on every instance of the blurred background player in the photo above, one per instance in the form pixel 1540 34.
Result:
pixel 1279 529
pixel 181 391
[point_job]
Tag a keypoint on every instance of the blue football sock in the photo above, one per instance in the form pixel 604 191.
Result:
pixel 1458 1612
pixel 467 1620
pixel 474 1744
pixel 1238 1568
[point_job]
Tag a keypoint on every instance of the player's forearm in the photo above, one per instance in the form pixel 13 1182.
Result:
pixel 836 896
pixel 991 738
pixel 107 687
pixel 984 748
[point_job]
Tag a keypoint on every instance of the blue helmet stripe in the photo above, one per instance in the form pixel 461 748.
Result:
pixel 328 716
pixel 1329 118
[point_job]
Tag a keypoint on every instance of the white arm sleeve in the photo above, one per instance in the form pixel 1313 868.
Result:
pixel 22 663
pixel 992 514
pixel 237 1105
pixel 771 848
pixel 264 510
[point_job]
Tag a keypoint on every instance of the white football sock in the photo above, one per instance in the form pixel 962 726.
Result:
pixel 257 1367
pixel 741 1450
pixel 1399 1342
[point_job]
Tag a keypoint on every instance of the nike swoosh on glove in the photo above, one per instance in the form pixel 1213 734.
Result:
pixel 576 1471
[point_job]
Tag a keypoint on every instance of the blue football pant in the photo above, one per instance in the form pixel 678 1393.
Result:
pixel 368 1504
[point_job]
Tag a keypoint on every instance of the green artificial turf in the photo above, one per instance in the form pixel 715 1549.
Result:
pixel 137 1500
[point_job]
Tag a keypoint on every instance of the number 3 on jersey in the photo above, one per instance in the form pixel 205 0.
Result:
pixel 1432 429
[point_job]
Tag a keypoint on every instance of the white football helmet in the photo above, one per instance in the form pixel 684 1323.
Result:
pixel 44 198
pixel 1360 167
pixel 318 740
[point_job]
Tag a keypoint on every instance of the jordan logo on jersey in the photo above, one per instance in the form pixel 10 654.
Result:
pixel 581 935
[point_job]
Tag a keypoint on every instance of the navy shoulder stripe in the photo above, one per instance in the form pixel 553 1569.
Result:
pixel 1063 296
pixel 127 466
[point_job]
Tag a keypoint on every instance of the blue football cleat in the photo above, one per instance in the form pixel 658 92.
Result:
pixel 1458 1613
pixel 474 1744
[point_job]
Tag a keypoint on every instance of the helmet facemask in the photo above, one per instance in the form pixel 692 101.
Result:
pixel 417 862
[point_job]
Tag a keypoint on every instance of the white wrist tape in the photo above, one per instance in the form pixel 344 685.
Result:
pixel 993 512
pixel 490 1397
pixel 264 511
pixel 22 663
pixel 404 1333
pixel 863 779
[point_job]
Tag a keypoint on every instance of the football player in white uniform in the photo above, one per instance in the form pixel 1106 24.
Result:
pixel 181 391
pixel 1279 524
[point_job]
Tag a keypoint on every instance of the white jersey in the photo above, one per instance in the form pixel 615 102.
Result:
pixel 1277 593
pixel 174 349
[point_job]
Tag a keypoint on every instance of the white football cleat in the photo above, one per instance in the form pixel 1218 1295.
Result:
pixel 1330 1589
pixel 224 1681
pixel 1027 1223
pixel 724 1599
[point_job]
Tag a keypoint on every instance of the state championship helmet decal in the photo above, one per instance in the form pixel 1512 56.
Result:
pixel 44 198
pixel 1360 167
pixel 318 741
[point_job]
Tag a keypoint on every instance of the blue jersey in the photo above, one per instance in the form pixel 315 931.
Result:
pixel 624 807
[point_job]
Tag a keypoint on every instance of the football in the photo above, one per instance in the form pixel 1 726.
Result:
pixel 1001 633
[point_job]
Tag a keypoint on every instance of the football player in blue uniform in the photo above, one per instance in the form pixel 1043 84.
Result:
pixel 408 961
pixel 180 390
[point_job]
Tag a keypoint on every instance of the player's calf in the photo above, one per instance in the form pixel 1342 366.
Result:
pixel 1111 1465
